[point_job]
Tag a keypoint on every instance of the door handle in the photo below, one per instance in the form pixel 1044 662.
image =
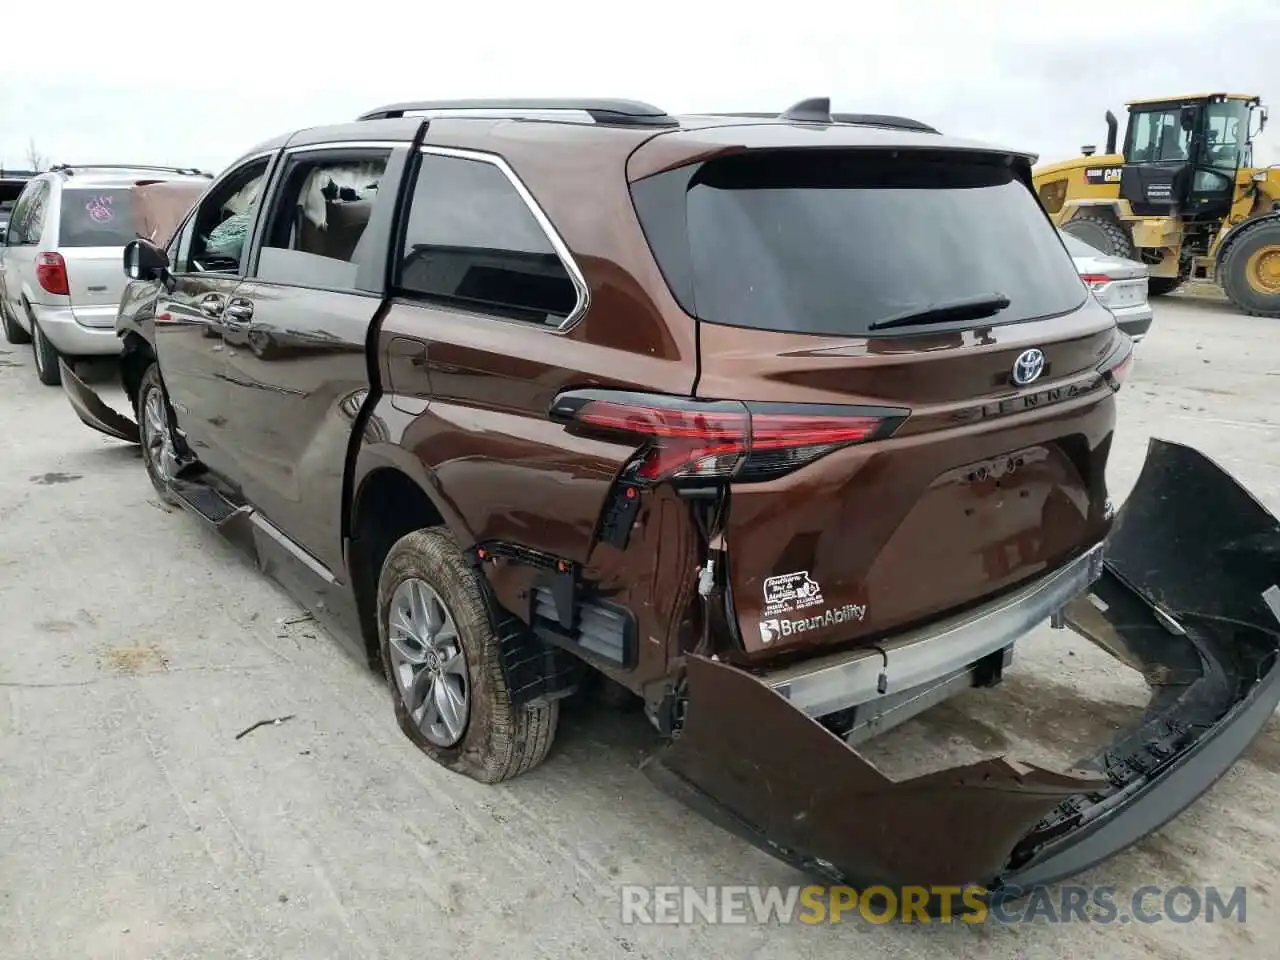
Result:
pixel 239 310
pixel 211 305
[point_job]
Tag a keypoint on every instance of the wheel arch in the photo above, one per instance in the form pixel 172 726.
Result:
pixel 391 495
pixel 1074 208
pixel 1238 231
pixel 135 357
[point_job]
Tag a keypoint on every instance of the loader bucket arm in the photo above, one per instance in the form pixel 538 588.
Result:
pixel 1188 596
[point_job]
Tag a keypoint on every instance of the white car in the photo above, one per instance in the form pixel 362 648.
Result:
pixel 61 266
pixel 1119 284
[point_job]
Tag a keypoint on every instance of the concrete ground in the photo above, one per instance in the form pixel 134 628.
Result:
pixel 134 823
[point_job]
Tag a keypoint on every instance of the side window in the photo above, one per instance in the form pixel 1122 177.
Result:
pixel 28 205
pixel 471 240
pixel 36 213
pixel 18 218
pixel 315 233
pixel 219 229
pixel 1158 135
pixel 175 242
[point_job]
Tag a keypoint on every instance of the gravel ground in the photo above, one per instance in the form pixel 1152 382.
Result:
pixel 133 822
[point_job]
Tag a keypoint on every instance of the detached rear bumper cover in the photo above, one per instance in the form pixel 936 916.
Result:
pixel 92 411
pixel 1187 596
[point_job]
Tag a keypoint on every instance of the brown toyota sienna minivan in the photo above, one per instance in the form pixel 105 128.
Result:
pixel 790 425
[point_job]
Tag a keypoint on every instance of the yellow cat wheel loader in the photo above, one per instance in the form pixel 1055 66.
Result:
pixel 1181 194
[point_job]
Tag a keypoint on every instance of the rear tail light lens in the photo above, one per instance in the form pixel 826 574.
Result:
pixel 51 274
pixel 679 438
pixel 1116 368
pixel 1095 279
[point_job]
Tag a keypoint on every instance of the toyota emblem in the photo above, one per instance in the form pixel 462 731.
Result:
pixel 1028 367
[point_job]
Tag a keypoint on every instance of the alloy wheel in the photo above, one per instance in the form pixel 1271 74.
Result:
pixel 156 435
pixel 428 662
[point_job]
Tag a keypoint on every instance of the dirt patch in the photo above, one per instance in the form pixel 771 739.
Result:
pixel 55 626
pixel 135 660
pixel 947 723
pixel 1057 710
pixel 48 479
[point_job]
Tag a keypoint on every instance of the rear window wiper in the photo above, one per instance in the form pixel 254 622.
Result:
pixel 970 308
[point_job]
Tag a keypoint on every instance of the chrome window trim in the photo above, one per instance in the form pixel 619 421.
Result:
pixel 576 276
pixel 348 145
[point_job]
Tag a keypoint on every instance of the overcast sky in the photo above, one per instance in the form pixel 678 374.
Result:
pixel 174 84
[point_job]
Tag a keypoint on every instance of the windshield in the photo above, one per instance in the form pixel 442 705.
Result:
pixel 831 242
pixel 101 217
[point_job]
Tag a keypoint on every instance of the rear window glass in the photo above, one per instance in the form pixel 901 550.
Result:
pixel 830 242
pixel 96 218
pixel 1078 248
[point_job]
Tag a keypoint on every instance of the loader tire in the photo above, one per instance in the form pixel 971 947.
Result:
pixel 1250 273
pixel 1103 233
pixel 1162 286
pixel 498 740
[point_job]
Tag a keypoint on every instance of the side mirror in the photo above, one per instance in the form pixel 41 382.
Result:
pixel 143 260
pixel 1188 118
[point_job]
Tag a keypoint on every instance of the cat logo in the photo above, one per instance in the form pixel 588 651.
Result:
pixel 1097 175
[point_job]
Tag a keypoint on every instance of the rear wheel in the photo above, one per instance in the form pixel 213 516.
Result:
pixel 1101 232
pixel 1251 270
pixel 1160 286
pixel 46 356
pixel 441 656
pixel 13 332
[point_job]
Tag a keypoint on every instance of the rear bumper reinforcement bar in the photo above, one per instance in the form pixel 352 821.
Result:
pixel 823 686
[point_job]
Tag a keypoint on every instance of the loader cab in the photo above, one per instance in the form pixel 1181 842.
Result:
pixel 1182 154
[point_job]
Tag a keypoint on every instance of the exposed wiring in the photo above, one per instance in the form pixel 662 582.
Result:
pixel 882 681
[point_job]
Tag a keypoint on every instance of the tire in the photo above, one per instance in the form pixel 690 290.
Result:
pixel 1101 231
pixel 1250 273
pixel 499 740
pixel 1162 286
pixel 13 332
pixel 46 353
pixel 153 448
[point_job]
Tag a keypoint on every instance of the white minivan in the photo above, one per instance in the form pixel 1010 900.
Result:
pixel 61 274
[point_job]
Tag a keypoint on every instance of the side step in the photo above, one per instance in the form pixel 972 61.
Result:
pixel 213 508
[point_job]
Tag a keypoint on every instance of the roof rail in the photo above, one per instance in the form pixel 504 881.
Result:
pixel 620 113
pixel 817 110
pixel 70 168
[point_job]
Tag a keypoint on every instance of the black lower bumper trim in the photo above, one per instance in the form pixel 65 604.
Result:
pixel 92 411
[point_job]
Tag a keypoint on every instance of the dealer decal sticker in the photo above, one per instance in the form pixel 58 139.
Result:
pixel 791 591
pixel 773 630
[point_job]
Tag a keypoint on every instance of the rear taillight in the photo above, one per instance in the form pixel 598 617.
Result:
pixel 1117 367
pixel 1095 279
pixel 51 273
pixel 679 438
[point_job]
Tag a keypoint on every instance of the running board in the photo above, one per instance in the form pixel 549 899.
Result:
pixel 239 523
pixel 219 513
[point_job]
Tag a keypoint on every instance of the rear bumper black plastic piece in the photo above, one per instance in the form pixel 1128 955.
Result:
pixel 92 411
